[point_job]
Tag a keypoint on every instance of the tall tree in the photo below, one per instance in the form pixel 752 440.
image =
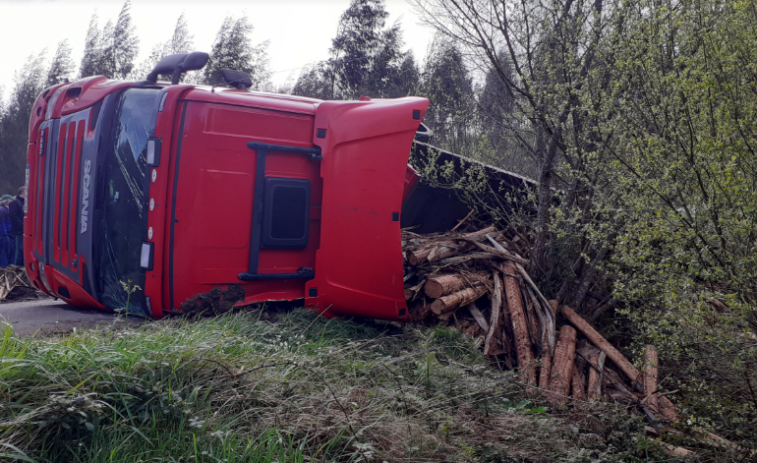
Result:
pixel 180 42
pixel 367 58
pixel 122 45
pixel 62 66
pixel 448 86
pixel 316 81
pixel 90 62
pixel 29 82
pixel 233 50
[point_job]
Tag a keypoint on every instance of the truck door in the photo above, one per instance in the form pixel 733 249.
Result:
pixel 237 168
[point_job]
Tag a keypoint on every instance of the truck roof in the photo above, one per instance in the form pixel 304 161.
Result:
pixel 84 93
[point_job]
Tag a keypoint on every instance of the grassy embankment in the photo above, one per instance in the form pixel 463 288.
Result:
pixel 241 388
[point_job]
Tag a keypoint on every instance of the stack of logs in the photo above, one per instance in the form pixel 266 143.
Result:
pixel 477 283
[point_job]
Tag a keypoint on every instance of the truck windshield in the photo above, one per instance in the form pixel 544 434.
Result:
pixel 122 222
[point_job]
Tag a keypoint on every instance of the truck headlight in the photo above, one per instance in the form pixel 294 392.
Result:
pixel 146 255
pixel 43 277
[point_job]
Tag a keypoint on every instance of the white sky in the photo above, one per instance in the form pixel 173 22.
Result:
pixel 299 31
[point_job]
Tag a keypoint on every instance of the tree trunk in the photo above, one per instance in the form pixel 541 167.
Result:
pixel 650 378
pixel 526 367
pixel 562 367
pixel 494 321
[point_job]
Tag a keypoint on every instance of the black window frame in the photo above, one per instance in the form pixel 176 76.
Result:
pixel 268 240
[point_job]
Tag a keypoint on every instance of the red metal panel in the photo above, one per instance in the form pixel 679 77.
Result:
pixel 214 199
pixel 365 153
pixel 272 101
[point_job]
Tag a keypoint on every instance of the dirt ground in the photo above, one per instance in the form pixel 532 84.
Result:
pixel 46 316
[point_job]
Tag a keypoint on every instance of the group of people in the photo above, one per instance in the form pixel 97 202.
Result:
pixel 12 229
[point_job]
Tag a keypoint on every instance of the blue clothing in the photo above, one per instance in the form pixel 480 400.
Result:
pixel 5 221
pixel 4 250
pixel 18 250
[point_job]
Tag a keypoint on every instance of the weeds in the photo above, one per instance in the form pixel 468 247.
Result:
pixel 238 388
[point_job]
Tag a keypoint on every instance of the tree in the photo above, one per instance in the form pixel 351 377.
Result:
pixel 121 46
pixel 90 62
pixel 366 58
pixel 29 82
pixel 180 42
pixel 233 50
pixel 62 66
pixel 316 81
pixel 448 86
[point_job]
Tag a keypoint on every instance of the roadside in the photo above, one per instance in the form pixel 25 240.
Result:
pixel 48 316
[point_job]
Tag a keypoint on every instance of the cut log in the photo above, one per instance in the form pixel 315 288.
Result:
pixel 420 312
pixel 442 285
pixel 546 371
pixel 650 379
pixel 577 388
pixel 598 340
pixel 526 366
pixel 502 254
pixel 441 252
pixel 478 316
pixel 596 373
pixel 562 365
pixel 453 301
pixel 494 321
pixel 465 258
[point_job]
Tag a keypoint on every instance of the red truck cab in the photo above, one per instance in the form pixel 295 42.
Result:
pixel 143 195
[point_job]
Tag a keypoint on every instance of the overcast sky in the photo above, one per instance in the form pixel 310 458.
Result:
pixel 299 31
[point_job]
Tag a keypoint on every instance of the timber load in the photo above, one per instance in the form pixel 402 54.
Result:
pixel 477 283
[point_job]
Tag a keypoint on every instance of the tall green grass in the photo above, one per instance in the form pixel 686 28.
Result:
pixel 240 389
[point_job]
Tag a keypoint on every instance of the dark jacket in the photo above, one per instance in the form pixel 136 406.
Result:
pixel 17 216
pixel 5 221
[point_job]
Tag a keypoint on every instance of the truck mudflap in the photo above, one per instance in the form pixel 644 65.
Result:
pixel 365 148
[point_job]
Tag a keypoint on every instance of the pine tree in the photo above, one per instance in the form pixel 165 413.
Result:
pixel 366 59
pixel 233 50
pixel 62 66
pixel 122 46
pixel 90 62
pixel 180 42
pixel 14 123
pixel 316 82
pixel 448 86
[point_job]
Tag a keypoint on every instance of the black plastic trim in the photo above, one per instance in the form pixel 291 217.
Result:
pixel 173 203
pixel 261 150
pixel 304 273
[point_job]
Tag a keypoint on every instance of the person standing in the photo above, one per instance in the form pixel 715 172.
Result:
pixel 16 208
pixel 5 228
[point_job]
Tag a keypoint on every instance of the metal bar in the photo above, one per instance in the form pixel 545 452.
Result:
pixel 314 153
pixel 257 205
pixel 302 273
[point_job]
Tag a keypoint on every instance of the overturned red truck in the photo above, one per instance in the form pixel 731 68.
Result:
pixel 143 195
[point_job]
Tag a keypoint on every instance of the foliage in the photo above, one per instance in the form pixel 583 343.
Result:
pixel 366 59
pixel 29 82
pixel 241 388
pixel 180 42
pixel 448 86
pixel 112 51
pixel 62 66
pixel 233 50
pixel 642 114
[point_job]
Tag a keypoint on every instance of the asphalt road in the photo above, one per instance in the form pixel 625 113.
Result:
pixel 46 316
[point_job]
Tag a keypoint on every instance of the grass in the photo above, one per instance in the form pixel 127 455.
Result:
pixel 283 387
